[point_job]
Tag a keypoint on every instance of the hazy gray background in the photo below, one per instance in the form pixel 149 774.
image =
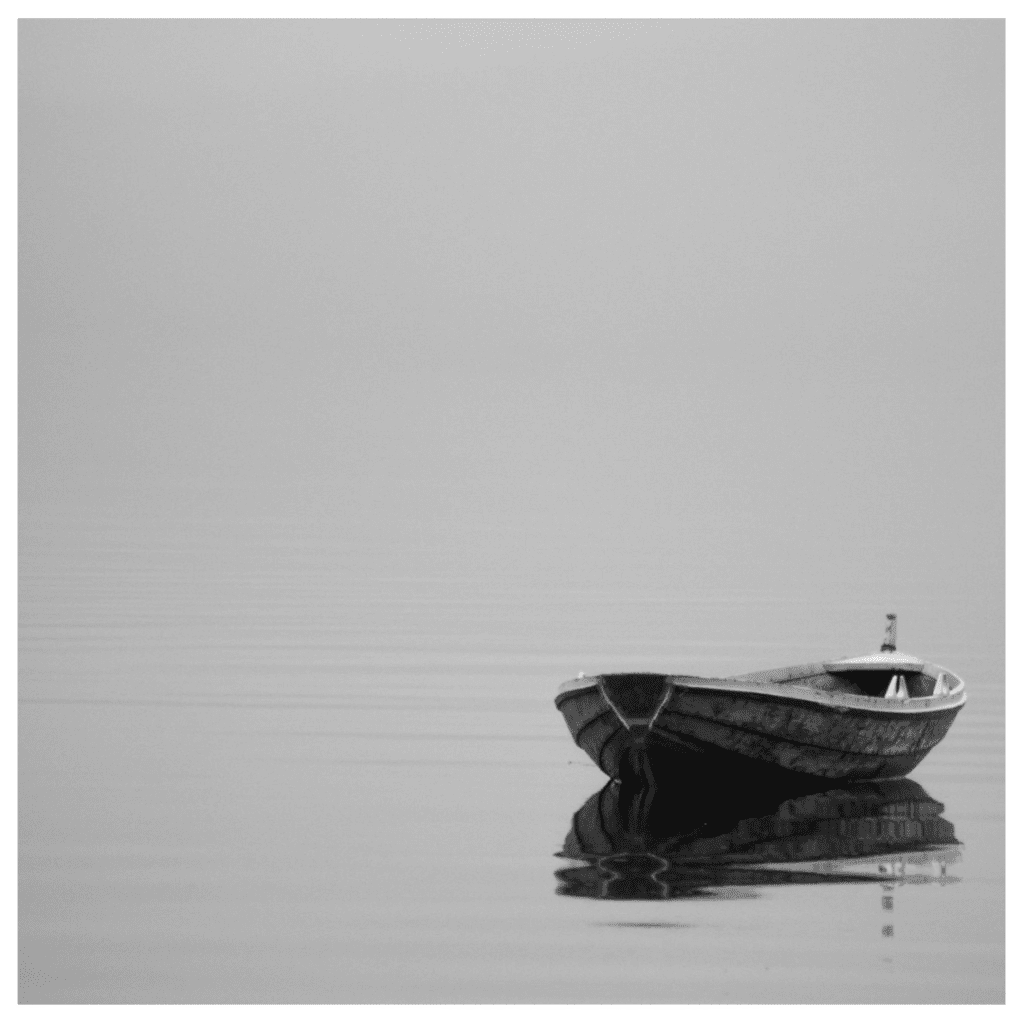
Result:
pixel 706 297
pixel 377 377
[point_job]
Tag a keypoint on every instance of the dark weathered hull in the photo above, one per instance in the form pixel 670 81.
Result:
pixel 661 727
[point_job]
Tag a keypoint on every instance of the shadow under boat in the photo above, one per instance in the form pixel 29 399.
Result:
pixel 646 843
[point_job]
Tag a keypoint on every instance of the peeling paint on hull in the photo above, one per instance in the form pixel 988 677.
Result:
pixel 651 726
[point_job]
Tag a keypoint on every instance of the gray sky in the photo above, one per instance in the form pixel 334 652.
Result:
pixel 705 297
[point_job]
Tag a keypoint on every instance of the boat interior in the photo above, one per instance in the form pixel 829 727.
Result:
pixel 638 694
pixel 883 683
pixel 892 683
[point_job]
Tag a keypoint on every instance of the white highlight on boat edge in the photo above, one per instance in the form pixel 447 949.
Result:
pixel 954 696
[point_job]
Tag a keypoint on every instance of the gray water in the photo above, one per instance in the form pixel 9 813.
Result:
pixel 254 769
pixel 375 377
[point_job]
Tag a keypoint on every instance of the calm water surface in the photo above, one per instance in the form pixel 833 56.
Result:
pixel 260 763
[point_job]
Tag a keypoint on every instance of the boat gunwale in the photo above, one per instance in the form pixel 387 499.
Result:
pixel 790 690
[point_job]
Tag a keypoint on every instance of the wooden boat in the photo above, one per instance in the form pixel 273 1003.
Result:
pixel 644 843
pixel 870 717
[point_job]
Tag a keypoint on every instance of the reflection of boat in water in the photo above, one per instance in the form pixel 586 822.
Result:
pixel 871 717
pixel 643 843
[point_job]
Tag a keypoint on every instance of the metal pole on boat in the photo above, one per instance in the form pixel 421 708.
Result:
pixel 889 643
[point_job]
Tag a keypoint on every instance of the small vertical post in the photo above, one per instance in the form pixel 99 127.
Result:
pixel 889 643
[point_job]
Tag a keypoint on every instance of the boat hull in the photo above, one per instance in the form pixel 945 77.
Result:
pixel 680 726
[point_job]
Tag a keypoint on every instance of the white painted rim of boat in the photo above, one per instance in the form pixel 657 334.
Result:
pixel 905 705
pixel 794 691
pixel 879 661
